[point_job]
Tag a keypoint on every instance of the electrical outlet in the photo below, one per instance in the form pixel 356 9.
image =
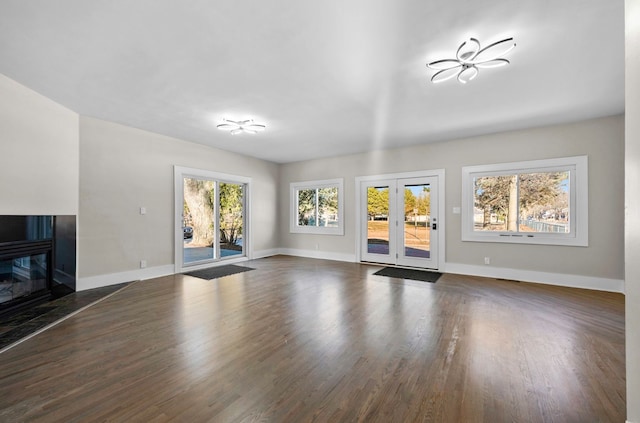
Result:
pixel 143 264
pixel 487 260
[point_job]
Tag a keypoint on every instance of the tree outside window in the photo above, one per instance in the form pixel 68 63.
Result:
pixel 525 202
pixel 533 202
pixel 316 207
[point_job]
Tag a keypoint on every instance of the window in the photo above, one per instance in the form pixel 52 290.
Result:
pixel 316 207
pixel 534 202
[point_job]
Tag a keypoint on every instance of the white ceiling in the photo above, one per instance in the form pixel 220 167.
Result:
pixel 327 77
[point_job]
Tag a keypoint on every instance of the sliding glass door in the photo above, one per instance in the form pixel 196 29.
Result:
pixel 211 213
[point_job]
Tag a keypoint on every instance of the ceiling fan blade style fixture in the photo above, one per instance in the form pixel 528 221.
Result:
pixel 470 57
pixel 235 127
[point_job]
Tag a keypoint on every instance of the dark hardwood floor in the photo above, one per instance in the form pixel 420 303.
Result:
pixel 301 340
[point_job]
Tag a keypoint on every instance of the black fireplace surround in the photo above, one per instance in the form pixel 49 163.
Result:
pixel 37 260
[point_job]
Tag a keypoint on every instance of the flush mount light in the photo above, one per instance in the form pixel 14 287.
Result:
pixel 469 58
pixel 241 126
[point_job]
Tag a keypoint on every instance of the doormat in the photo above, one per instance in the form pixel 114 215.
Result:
pixel 218 272
pixel 416 275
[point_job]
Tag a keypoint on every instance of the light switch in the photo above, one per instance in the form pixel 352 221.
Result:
pixel 143 210
pixel 456 210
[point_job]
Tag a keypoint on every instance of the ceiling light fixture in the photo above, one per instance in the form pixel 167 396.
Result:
pixel 469 58
pixel 241 126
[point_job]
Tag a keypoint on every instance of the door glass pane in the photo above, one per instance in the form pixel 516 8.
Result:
pixel 378 220
pixel 417 233
pixel 198 223
pixel 231 219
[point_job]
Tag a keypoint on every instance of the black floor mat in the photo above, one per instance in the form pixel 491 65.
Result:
pixel 417 275
pixel 218 272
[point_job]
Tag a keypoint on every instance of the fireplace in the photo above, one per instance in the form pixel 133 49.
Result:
pixel 37 260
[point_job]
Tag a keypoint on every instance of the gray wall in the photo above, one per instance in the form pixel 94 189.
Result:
pixel 601 139
pixel 632 200
pixel 123 169
pixel 39 157
pixel 54 162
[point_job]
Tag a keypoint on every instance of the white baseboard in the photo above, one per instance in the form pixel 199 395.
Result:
pixel 559 279
pixel 91 282
pixel 548 278
pixel 573 281
pixel 324 255
pixel 265 253
pixel 98 281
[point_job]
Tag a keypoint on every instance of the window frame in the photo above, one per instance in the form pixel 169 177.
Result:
pixel 294 187
pixel 577 166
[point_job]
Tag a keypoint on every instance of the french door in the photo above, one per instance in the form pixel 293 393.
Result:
pixel 399 221
pixel 210 218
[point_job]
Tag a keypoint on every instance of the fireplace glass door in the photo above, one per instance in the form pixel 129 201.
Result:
pixel 23 276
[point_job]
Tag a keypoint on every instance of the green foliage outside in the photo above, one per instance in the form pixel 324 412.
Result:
pixel 377 202
pixel 419 205
pixel 231 218
pixel 306 206
pixel 199 202
pixel 324 213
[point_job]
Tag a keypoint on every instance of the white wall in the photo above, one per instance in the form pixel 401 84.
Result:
pixel 598 266
pixel 123 169
pixel 632 203
pixel 38 153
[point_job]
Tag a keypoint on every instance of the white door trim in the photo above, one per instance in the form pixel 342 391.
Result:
pixel 179 172
pixel 439 173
